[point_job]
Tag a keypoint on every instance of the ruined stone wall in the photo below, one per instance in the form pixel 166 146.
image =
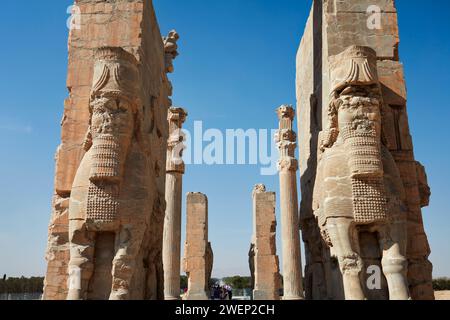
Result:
pixel 332 27
pixel 266 262
pixel 309 112
pixel 132 25
pixel 198 255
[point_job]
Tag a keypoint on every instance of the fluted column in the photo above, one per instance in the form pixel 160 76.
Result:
pixel 288 165
pixel 172 224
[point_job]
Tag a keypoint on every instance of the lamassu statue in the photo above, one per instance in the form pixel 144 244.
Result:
pixel 110 205
pixel 358 186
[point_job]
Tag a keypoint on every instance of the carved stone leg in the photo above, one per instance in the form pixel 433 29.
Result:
pixel 344 239
pixel 81 265
pixel 395 265
pixel 128 242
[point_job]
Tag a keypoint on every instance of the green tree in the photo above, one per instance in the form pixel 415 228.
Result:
pixel 238 282
pixel 22 285
pixel 441 284
pixel 183 282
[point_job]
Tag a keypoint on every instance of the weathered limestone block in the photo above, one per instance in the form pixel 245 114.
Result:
pixel 361 6
pixel 266 264
pixel 347 20
pixel 58 250
pixel 121 24
pixel 198 257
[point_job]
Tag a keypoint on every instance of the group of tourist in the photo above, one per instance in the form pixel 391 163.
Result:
pixel 219 292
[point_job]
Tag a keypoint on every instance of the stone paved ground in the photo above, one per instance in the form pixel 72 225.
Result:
pixel 442 295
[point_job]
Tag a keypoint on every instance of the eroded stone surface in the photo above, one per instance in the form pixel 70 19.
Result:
pixel 286 139
pixel 266 264
pixel 358 186
pixel 174 188
pixel 332 27
pixel 110 178
pixel 198 255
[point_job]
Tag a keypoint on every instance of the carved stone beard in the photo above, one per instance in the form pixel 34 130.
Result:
pixel 362 140
pixel 107 159
pixel 109 153
pixel 364 149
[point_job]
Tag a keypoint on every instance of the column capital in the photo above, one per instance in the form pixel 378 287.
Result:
pixel 177 115
pixel 286 135
pixel 286 112
pixel 259 188
pixel 170 49
pixel 286 139
pixel 287 164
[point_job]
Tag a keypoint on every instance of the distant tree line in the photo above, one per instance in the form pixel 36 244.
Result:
pixel 183 282
pixel 441 284
pixel 238 282
pixel 22 285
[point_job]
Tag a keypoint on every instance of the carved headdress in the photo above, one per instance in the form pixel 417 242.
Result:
pixel 116 74
pixel 357 65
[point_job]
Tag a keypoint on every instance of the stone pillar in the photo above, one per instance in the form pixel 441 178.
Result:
pixel 172 223
pixel 288 166
pixel 197 250
pixel 267 272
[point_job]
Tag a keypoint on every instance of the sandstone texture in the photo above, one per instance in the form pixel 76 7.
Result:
pixel 327 77
pixel 266 263
pixel 198 255
pixel 106 229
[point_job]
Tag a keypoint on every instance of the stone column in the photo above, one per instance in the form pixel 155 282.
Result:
pixel 175 169
pixel 266 264
pixel 288 165
pixel 197 252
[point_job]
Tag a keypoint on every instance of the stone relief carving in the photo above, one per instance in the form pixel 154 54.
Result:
pixel 358 186
pixel 171 49
pixel 98 201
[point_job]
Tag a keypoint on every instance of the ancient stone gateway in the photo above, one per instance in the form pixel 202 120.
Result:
pixel 362 189
pixel 198 255
pixel 117 168
pixel 105 235
pixel 265 259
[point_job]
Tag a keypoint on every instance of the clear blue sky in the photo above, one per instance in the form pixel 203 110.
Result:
pixel 237 64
